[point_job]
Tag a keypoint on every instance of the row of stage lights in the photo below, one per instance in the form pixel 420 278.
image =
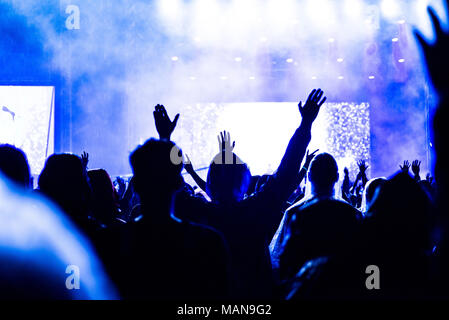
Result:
pixel 224 78
pixel 291 60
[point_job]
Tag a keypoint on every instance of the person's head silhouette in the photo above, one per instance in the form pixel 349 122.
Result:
pixel 157 167
pixel 14 165
pixel 228 178
pixel 64 180
pixel 370 191
pixel 323 174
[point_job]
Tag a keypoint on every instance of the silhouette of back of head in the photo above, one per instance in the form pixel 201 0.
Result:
pixel 401 209
pixel 323 173
pixel 14 165
pixel 370 190
pixel 104 197
pixel 157 167
pixel 227 179
pixel 63 179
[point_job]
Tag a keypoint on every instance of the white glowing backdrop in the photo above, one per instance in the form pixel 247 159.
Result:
pixel 27 121
pixel 262 131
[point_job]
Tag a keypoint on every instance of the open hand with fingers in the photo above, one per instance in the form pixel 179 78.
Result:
pixel 85 159
pixel 224 142
pixel 309 158
pixel 437 54
pixel 362 166
pixel 416 167
pixel 310 110
pixel 406 166
pixel 164 125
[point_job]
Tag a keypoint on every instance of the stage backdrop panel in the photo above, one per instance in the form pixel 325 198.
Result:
pixel 27 121
pixel 262 131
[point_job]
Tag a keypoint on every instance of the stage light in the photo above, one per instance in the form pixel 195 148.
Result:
pixel 174 58
pixel 280 14
pixel 224 78
pixel 171 14
pixel 192 78
pixel 402 21
pixel 289 60
pixel 237 59
pixel 395 39
pixel 340 60
pixel 206 20
pixel 331 40
pixel 371 77
pixel 170 10
pixel 341 78
pixel 314 77
pixel 321 12
pixel 390 8
pixel 353 8
pixel 401 60
pixel 252 78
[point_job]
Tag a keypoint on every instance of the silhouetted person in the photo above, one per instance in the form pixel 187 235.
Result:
pixel 37 245
pixel 318 226
pixel 396 237
pixel 249 223
pixel 104 200
pixel 64 181
pixel 14 165
pixel 169 258
pixel 370 191
pixel 436 56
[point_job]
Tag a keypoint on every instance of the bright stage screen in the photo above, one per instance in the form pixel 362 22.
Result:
pixel 27 121
pixel 262 131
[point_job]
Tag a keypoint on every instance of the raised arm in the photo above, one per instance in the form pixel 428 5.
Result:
pixel 416 166
pixel 189 168
pixel 287 172
pixel 362 171
pixel 436 54
pixel 164 125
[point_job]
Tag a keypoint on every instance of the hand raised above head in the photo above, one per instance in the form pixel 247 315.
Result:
pixel 85 159
pixel 416 167
pixel 224 142
pixel 429 178
pixel 362 166
pixel 310 110
pixel 405 167
pixel 309 158
pixel 437 54
pixel 164 125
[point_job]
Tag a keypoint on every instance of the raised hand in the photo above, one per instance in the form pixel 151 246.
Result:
pixel 346 171
pixel 310 110
pixel 85 159
pixel 224 142
pixel 309 158
pixel 416 167
pixel 164 125
pixel 405 167
pixel 429 178
pixel 362 166
pixel 437 54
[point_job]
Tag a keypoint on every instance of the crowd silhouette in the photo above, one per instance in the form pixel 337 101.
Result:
pixel 235 235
